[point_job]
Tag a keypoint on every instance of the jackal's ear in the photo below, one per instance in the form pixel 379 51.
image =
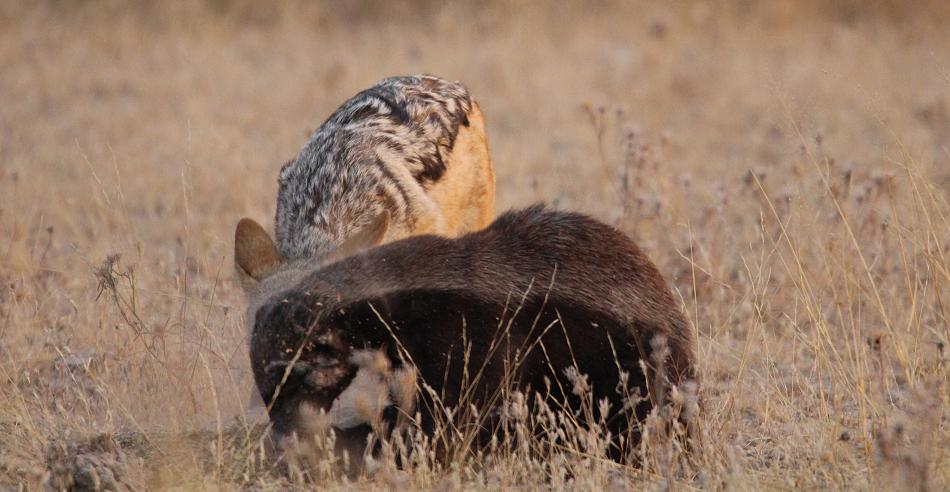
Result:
pixel 368 236
pixel 255 253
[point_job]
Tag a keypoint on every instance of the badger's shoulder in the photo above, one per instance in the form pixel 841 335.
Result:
pixel 546 227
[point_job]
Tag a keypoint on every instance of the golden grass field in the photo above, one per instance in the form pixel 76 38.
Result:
pixel 786 165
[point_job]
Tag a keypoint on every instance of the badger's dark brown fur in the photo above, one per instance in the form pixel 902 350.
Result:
pixel 579 287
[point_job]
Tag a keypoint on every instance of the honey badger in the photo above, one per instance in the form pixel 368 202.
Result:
pixel 523 301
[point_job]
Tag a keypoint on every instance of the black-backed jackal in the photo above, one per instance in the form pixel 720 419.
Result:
pixel 521 302
pixel 406 156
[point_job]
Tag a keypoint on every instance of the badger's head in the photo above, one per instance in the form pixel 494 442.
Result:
pixel 302 354
pixel 298 357
pixel 313 372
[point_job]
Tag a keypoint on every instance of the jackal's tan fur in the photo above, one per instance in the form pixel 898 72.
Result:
pixel 406 156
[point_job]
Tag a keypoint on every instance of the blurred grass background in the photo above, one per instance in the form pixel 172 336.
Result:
pixel 785 163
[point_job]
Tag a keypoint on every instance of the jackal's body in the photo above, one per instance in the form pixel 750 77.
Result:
pixel 411 149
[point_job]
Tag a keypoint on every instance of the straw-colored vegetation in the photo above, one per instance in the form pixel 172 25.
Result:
pixel 787 166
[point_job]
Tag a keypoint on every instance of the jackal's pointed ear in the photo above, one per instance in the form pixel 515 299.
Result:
pixel 368 236
pixel 255 253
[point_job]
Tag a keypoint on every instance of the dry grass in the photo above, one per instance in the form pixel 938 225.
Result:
pixel 787 167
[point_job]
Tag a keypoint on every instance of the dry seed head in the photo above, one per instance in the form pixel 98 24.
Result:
pixel 402 387
pixel 515 409
pixel 580 386
pixel 689 391
pixel 603 406
pixel 661 349
pixel 106 273
pixel 676 396
pixel 313 420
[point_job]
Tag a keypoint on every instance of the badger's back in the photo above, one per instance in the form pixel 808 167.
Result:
pixel 524 256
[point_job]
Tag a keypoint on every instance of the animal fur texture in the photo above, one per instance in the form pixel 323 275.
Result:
pixel 545 294
pixel 406 156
